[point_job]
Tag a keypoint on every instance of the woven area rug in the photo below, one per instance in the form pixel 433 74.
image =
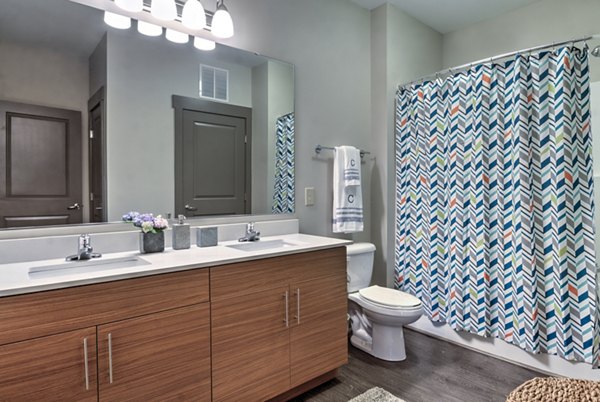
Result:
pixel 376 395
pixel 556 390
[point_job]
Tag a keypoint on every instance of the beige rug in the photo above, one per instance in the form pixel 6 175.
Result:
pixel 376 395
pixel 553 389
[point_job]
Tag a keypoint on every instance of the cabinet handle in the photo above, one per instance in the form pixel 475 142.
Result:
pixel 287 321
pixel 110 370
pixel 85 366
pixel 298 306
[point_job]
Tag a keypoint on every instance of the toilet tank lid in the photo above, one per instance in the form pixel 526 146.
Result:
pixel 359 248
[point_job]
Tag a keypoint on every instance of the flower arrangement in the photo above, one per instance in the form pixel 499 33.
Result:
pixel 147 222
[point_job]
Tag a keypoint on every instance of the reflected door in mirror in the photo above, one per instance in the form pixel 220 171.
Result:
pixel 40 165
pixel 214 159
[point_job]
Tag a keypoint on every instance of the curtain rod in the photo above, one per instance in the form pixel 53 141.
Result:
pixel 498 57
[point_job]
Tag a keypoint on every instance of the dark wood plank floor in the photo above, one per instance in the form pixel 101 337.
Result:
pixel 434 371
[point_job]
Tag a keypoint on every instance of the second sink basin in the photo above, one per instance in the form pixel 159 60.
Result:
pixel 80 267
pixel 261 245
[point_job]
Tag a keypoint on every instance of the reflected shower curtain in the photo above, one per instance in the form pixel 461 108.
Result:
pixel 284 192
pixel 494 206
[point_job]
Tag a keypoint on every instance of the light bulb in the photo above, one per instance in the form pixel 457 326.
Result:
pixel 148 29
pixel 116 20
pixel 203 44
pixel 176 36
pixel 193 16
pixel 164 9
pixel 135 6
pixel 222 24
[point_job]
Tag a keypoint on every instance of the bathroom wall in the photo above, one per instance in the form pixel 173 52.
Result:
pixel 329 44
pixel 143 74
pixel 537 24
pixel 402 49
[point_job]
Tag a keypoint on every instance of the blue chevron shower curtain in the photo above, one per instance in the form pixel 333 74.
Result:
pixel 494 206
pixel 284 192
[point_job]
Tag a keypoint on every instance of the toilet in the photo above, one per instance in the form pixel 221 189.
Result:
pixel 377 314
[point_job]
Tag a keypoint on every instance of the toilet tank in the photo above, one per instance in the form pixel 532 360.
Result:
pixel 359 265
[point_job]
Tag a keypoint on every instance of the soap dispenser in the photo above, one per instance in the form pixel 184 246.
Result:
pixel 181 234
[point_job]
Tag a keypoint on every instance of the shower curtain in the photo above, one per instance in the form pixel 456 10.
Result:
pixel 494 205
pixel 284 191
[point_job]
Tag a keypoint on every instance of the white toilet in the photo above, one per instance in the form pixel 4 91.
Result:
pixel 377 313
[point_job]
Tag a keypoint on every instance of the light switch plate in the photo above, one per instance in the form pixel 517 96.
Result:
pixel 309 196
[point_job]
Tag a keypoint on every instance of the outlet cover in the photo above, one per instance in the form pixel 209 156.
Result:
pixel 309 196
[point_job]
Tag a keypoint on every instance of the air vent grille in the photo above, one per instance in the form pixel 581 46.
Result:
pixel 214 83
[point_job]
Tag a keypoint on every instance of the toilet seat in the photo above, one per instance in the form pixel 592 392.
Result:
pixel 389 298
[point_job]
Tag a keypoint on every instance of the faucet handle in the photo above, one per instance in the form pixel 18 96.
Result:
pixel 250 227
pixel 84 242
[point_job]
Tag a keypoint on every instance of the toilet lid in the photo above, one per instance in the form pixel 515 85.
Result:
pixel 389 297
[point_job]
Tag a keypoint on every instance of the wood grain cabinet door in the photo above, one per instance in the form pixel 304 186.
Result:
pixel 157 357
pixel 251 346
pixel 319 340
pixel 53 368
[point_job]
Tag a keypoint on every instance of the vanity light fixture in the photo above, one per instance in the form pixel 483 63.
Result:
pixel 164 9
pixel 148 29
pixel 222 24
pixel 176 36
pixel 135 6
pixel 116 20
pixel 193 15
pixel 204 44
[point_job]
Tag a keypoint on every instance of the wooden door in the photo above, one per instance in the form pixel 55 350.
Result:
pixel 212 158
pixel 319 329
pixel 51 368
pixel 250 346
pixel 157 357
pixel 40 165
pixel 97 159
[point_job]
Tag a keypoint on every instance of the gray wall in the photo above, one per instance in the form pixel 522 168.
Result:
pixel 402 49
pixel 329 44
pixel 143 74
pixel 260 128
pixel 47 77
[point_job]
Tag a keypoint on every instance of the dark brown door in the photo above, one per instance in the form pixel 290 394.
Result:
pixel 96 158
pixel 40 165
pixel 212 159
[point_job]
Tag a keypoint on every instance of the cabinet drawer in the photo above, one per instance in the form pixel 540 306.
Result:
pixel 318 264
pixel 45 313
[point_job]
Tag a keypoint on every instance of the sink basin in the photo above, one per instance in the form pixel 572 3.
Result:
pixel 262 245
pixel 80 267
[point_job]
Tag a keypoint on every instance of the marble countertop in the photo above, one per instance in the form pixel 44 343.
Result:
pixel 16 278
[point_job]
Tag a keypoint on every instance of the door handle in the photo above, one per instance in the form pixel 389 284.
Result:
pixel 73 207
pixel 188 207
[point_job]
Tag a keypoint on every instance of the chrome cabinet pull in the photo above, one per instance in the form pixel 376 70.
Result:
pixel 298 306
pixel 287 321
pixel 85 366
pixel 110 369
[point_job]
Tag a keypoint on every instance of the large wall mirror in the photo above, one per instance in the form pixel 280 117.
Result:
pixel 96 122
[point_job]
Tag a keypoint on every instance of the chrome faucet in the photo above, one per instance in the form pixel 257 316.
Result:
pixel 84 249
pixel 251 234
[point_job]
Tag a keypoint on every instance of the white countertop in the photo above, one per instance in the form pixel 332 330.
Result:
pixel 15 278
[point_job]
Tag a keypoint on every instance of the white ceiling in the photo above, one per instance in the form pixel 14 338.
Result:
pixel 448 15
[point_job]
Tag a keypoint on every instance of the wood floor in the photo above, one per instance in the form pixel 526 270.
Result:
pixel 434 371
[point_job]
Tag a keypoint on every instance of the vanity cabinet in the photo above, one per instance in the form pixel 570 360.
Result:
pixel 159 339
pixel 277 323
pixel 57 368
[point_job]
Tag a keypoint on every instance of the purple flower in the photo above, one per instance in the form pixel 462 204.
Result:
pixel 141 218
pixel 130 216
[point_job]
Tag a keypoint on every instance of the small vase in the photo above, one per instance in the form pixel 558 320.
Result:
pixel 152 242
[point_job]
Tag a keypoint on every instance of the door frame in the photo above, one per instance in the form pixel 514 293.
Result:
pixel 183 103
pixel 97 100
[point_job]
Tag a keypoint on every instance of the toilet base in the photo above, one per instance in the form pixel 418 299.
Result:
pixel 387 343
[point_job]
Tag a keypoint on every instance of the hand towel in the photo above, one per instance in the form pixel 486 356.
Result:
pixel 347 191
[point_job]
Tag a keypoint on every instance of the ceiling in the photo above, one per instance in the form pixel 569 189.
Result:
pixel 449 15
